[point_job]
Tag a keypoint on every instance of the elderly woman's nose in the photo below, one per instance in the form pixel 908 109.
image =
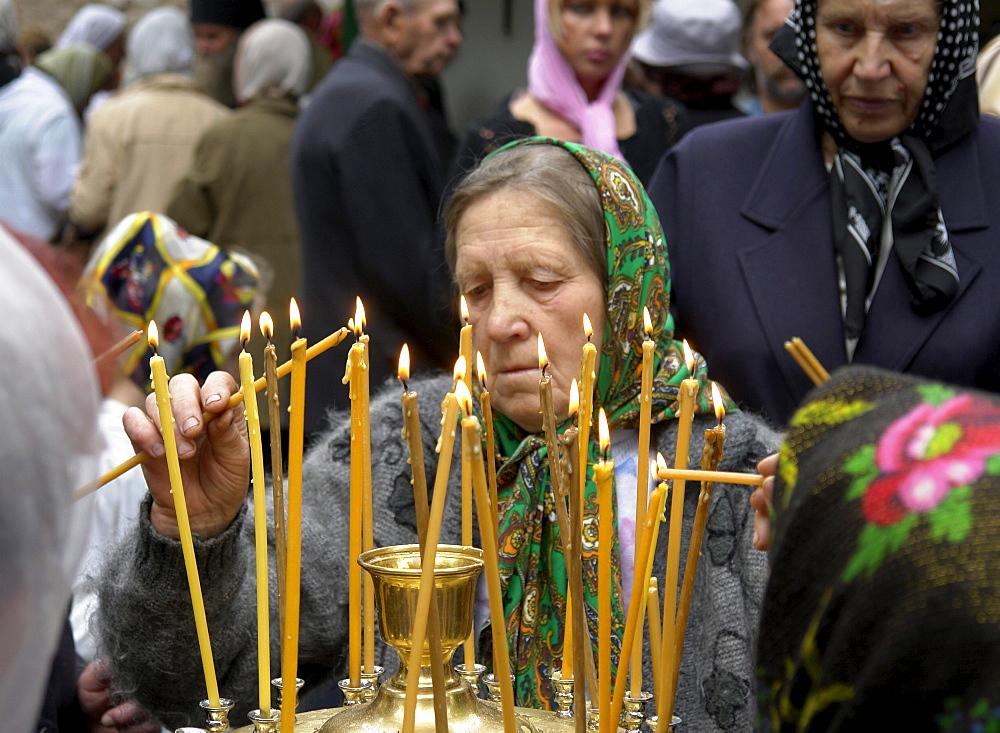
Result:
pixel 871 61
pixel 601 22
pixel 507 317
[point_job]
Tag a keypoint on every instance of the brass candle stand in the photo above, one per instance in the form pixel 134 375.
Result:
pixel 217 718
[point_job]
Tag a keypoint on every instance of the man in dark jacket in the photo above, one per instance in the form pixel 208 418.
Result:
pixel 368 179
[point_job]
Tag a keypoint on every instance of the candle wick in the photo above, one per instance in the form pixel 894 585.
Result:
pixel 295 334
pixel 406 388
pixel 243 343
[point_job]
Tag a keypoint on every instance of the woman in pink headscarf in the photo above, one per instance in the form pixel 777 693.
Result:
pixel 575 89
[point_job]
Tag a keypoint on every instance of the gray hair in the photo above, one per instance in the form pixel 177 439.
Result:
pixel 553 175
pixel 366 8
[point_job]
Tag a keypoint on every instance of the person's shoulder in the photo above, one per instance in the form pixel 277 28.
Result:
pixel 738 130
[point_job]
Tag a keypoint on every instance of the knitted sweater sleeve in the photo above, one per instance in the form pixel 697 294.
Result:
pixel 145 622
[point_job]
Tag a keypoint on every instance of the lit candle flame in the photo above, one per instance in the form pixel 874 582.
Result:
pixel 481 368
pixel 661 465
pixel 688 358
pixel 293 316
pixel 464 308
pixel 604 435
pixel 543 359
pixel 153 336
pixel 459 374
pixel 574 398
pixel 647 322
pixel 266 325
pixel 720 407
pixel 245 326
pixel 588 330
pixel 359 318
pixel 464 398
pixel 403 373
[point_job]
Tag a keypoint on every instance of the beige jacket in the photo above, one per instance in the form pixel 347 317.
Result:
pixel 138 145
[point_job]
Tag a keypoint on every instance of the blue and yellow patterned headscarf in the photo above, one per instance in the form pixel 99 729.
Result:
pixel 148 268
pixel 531 561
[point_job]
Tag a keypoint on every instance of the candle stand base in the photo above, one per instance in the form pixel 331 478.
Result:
pixel 652 721
pixel 493 687
pixel 563 695
pixel 355 695
pixel 217 718
pixel 372 677
pixel 593 720
pixel 471 676
pixel 262 724
pixel 396 574
pixel 277 684
pixel 634 710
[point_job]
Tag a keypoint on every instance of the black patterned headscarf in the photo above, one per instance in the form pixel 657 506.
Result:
pixel 882 611
pixel 896 177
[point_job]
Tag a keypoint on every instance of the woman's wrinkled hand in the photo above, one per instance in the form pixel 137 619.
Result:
pixel 214 455
pixel 760 500
pixel 102 714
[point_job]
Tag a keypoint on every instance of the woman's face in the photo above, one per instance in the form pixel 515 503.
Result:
pixel 875 57
pixel 522 275
pixel 595 36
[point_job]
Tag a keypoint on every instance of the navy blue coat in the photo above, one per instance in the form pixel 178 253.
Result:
pixel 745 207
pixel 368 177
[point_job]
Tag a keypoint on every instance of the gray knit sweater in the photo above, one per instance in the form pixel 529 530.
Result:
pixel 147 632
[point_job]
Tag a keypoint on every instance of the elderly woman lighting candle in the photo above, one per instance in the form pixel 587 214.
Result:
pixel 540 233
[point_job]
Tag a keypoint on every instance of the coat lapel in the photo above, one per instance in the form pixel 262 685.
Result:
pixel 894 333
pixel 791 273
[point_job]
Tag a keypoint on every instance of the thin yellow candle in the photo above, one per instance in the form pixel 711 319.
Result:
pixel 574 652
pixel 642 474
pixel 311 353
pixel 462 374
pixel 296 444
pixel 465 343
pixel 367 520
pixel 159 372
pixel 353 377
pixel 653 616
pixel 588 376
pixel 446 444
pixel 472 443
pixel 711 455
pixel 486 404
pixel 259 521
pixel 636 611
pixel 721 477
pixel 277 460
pixel 604 474
pixel 412 436
pixel 547 408
pixel 687 393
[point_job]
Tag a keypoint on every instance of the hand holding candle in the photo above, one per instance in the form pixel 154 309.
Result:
pixel 159 374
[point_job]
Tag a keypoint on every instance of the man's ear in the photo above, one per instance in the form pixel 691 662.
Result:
pixel 389 16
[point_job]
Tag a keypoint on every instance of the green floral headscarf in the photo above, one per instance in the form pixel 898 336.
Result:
pixel 531 561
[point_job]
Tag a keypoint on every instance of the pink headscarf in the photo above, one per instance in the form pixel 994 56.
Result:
pixel 552 82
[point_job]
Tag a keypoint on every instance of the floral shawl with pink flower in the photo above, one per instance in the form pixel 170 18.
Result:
pixel 883 607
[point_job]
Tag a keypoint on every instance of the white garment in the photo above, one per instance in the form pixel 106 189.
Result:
pixel 95 24
pixel 115 510
pixel 273 60
pixel 161 42
pixel 40 148
pixel 49 395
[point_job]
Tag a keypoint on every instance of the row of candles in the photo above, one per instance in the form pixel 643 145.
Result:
pixel 568 456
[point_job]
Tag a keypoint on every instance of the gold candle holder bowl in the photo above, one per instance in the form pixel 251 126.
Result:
pixel 263 724
pixel 634 711
pixel 396 575
pixel 563 695
pixel 217 717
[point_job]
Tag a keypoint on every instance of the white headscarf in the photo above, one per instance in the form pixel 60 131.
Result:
pixel 94 24
pixel 273 60
pixel 49 395
pixel 160 42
